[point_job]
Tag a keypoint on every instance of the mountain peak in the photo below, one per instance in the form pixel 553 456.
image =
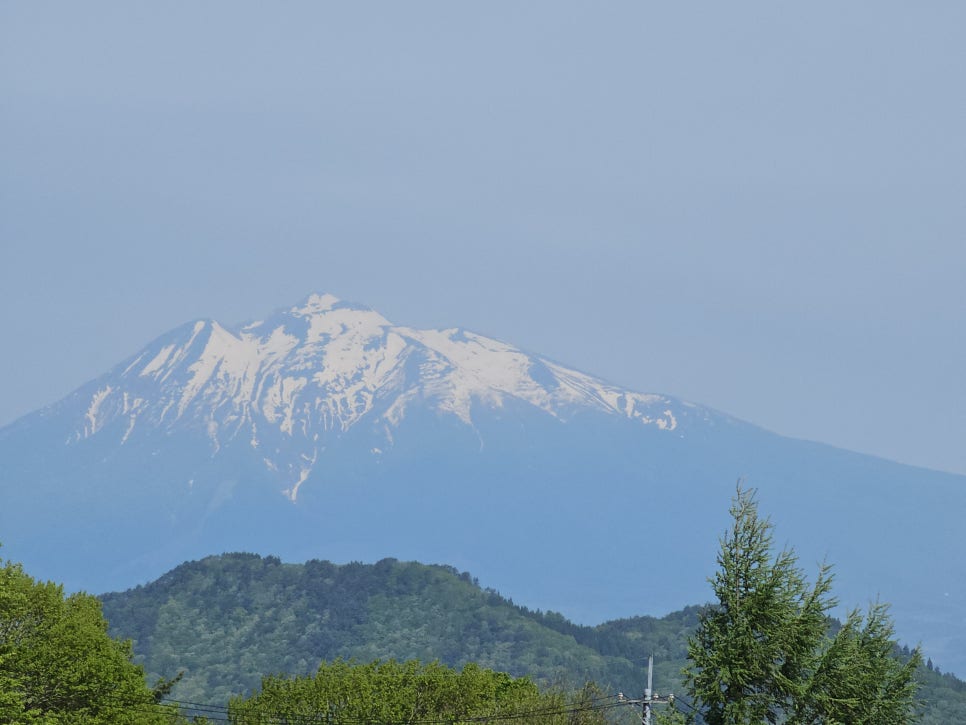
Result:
pixel 316 303
pixel 321 303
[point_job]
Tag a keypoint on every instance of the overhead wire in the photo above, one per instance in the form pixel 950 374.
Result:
pixel 221 713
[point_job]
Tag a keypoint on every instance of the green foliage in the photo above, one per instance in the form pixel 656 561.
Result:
pixel 762 653
pixel 943 697
pixel 670 716
pixel 861 678
pixel 392 692
pixel 58 664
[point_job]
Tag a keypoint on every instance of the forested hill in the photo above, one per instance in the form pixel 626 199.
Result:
pixel 228 620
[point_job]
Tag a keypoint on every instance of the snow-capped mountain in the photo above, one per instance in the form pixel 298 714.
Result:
pixel 325 431
pixel 292 384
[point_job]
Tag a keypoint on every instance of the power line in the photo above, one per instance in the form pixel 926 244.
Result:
pixel 266 716
pixel 692 708
pixel 271 717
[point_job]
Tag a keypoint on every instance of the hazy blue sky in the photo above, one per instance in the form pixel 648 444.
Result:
pixel 757 206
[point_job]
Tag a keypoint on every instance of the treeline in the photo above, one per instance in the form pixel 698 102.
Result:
pixel 228 620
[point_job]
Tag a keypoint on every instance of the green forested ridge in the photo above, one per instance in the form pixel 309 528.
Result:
pixel 229 620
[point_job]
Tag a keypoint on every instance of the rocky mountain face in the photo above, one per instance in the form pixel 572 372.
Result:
pixel 325 431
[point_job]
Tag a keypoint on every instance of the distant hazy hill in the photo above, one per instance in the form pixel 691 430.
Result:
pixel 326 431
pixel 228 620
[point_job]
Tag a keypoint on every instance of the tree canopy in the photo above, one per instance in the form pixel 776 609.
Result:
pixel 59 665
pixel 412 692
pixel 763 652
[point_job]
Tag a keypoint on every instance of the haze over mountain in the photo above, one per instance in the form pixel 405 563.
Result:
pixel 325 431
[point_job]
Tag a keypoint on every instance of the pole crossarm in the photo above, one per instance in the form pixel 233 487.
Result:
pixel 650 697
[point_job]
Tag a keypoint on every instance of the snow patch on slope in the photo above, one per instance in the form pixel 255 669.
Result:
pixel 157 363
pixel 94 424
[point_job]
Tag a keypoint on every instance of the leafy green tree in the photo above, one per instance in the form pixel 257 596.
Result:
pixel 763 654
pixel 409 692
pixel 59 665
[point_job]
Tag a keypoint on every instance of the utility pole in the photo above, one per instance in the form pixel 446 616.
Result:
pixel 650 697
pixel 646 710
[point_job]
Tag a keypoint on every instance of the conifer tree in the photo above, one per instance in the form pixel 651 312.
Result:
pixel 862 676
pixel 763 654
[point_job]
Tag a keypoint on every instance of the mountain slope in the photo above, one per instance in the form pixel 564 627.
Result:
pixel 324 431
pixel 272 617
